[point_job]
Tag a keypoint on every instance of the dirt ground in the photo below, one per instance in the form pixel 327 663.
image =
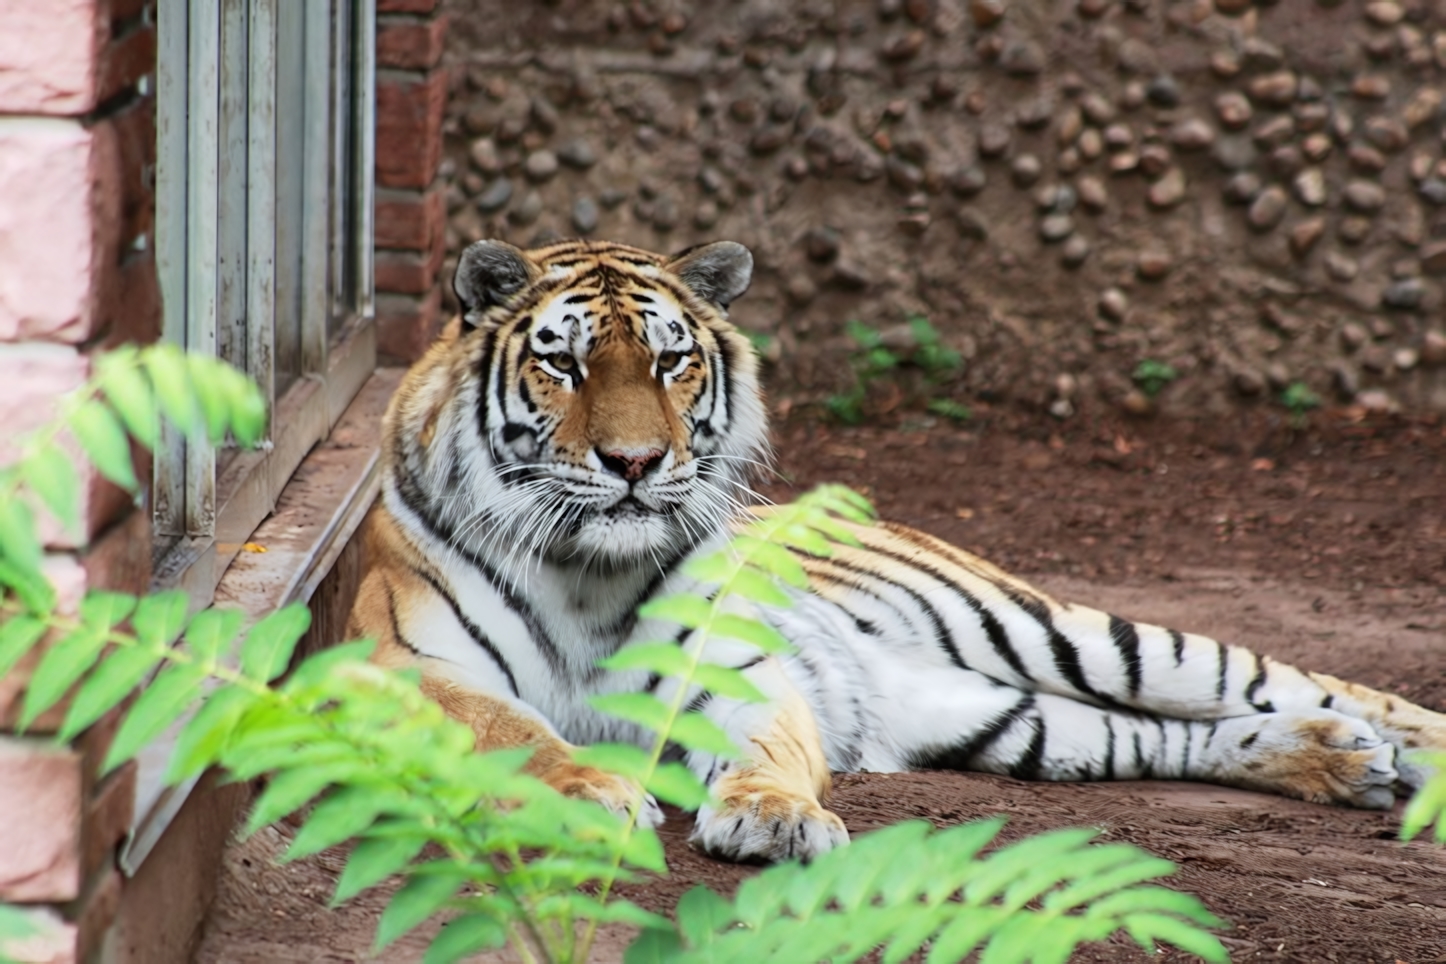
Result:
pixel 1323 547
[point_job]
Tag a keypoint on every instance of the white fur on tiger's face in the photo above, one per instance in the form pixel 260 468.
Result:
pixel 588 425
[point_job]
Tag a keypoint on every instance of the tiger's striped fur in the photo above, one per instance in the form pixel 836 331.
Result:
pixel 591 421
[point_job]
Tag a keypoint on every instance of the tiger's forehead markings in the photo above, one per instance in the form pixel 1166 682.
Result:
pixel 629 292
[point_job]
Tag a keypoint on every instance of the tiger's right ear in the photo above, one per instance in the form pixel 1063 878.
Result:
pixel 488 273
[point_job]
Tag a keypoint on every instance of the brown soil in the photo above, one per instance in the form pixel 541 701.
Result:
pixel 1322 547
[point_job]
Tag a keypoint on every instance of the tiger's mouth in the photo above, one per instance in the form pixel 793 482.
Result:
pixel 629 506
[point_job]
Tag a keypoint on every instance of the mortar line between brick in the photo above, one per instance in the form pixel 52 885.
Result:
pixel 37 123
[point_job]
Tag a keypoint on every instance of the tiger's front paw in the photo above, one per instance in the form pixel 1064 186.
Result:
pixel 758 824
pixel 612 791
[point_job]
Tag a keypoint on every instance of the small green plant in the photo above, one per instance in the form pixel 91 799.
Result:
pixel 1298 398
pixel 1152 376
pixel 371 760
pixel 951 409
pixel 762 342
pixel 873 362
pixel 932 355
pixel 1428 806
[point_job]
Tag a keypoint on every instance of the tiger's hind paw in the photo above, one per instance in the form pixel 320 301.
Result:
pixel 1320 755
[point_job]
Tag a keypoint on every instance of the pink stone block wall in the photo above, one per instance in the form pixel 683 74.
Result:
pixel 77 161
pixel 49 54
pixel 60 220
pixel 40 794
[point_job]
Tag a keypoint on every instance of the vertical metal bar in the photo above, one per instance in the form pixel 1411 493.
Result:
pixel 172 39
pixel 290 131
pixel 201 240
pixel 316 188
pixel 341 136
pixel 364 176
pixel 231 172
pixel 261 208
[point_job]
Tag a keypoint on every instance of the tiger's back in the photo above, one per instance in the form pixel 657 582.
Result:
pixel 592 420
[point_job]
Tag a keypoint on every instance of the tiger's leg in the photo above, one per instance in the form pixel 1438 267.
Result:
pixel 999 624
pixel 1317 755
pixel 767 806
pixel 1195 677
pixel 498 718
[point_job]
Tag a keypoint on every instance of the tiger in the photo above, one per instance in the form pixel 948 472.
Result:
pixel 591 420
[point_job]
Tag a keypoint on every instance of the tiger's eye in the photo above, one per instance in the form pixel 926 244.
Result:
pixel 563 362
pixel 668 360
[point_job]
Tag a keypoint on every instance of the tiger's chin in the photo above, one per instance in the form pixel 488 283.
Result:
pixel 621 539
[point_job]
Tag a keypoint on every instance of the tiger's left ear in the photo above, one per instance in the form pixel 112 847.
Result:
pixel 717 272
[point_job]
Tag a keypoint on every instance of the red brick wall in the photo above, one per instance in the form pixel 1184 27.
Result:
pixel 77 163
pixel 410 214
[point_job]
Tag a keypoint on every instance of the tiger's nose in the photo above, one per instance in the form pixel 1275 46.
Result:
pixel 631 464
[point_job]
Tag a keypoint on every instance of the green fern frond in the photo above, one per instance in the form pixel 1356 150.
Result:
pixel 909 888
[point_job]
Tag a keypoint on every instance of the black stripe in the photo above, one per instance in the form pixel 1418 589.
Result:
pixel 489 342
pixel 629 618
pixel 960 756
pixel 1185 757
pixel 473 630
pixel 1066 656
pixel 1127 641
pixel 1109 748
pixel 577 299
pixel 1027 766
pixel 1256 683
pixel 499 363
pixel 1224 668
pixel 1139 753
pixel 1249 741
pixel 411 494
pixel 712 384
pixel 941 632
pixel 1325 704
pixel 653 680
pixel 1179 640
pixel 397 625
pixel 725 373
pixel 998 637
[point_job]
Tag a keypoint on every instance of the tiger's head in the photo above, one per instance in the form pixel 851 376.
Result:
pixel 591 405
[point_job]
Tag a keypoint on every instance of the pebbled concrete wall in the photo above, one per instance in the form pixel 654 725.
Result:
pixel 1254 193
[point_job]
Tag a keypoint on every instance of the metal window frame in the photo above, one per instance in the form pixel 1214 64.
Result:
pixel 218 206
pixel 217 198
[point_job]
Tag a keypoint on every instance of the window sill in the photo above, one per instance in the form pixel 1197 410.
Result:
pixel 283 561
